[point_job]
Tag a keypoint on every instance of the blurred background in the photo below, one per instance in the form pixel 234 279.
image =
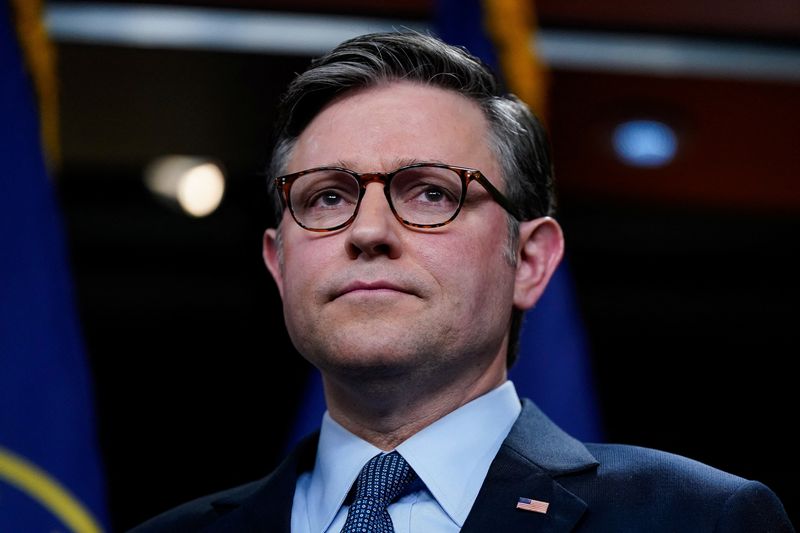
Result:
pixel 675 129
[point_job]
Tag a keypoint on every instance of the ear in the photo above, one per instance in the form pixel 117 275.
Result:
pixel 272 255
pixel 541 246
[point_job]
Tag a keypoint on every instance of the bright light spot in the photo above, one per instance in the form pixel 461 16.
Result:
pixel 200 189
pixel 645 143
pixel 196 185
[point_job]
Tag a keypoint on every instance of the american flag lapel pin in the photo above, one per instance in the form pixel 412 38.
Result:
pixel 526 504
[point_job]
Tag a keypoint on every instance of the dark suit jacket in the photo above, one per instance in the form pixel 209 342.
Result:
pixel 590 488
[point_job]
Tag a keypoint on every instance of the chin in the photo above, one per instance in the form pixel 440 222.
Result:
pixel 373 362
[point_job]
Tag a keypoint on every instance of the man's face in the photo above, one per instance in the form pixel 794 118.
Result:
pixel 381 297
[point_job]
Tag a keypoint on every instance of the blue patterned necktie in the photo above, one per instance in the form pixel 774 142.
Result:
pixel 381 480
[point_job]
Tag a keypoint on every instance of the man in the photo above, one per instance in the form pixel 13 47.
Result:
pixel 415 230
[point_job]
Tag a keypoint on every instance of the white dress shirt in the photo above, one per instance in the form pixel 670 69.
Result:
pixel 451 458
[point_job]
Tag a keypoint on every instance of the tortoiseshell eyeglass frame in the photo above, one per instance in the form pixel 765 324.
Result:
pixel 467 175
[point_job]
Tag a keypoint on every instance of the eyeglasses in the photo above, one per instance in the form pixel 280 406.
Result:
pixel 422 195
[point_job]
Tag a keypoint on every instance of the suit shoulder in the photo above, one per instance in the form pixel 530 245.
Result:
pixel 659 487
pixel 625 462
pixel 198 513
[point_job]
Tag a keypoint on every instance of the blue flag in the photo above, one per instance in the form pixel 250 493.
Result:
pixel 554 366
pixel 50 474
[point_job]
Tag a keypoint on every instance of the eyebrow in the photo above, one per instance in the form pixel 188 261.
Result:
pixel 396 163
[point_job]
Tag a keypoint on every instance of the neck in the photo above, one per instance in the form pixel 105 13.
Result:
pixel 385 412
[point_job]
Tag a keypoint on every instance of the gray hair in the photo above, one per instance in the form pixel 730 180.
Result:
pixel 517 137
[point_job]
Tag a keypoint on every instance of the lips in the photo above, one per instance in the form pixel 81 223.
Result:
pixel 380 285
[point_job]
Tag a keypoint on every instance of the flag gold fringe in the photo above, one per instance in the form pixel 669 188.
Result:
pixel 39 54
pixel 512 26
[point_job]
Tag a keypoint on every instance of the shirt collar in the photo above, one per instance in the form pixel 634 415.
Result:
pixel 340 457
pixel 434 454
pixel 437 452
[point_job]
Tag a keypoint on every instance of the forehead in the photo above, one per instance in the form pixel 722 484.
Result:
pixel 376 128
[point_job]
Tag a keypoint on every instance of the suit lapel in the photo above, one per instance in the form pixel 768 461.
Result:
pixel 510 478
pixel 531 458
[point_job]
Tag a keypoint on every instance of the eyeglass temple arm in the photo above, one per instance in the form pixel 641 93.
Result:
pixel 499 197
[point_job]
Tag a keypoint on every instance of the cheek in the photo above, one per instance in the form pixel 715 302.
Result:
pixel 303 263
pixel 472 273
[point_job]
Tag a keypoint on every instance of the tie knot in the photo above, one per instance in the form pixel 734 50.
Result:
pixel 384 477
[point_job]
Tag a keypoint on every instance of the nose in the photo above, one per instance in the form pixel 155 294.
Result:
pixel 375 231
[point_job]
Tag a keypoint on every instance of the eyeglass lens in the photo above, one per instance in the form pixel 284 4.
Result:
pixel 420 195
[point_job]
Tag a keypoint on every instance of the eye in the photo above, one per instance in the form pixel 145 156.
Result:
pixel 324 191
pixel 328 198
pixel 425 190
pixel 433 194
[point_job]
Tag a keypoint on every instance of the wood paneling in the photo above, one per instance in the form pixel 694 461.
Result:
pixel 737 140
pixel 768 18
